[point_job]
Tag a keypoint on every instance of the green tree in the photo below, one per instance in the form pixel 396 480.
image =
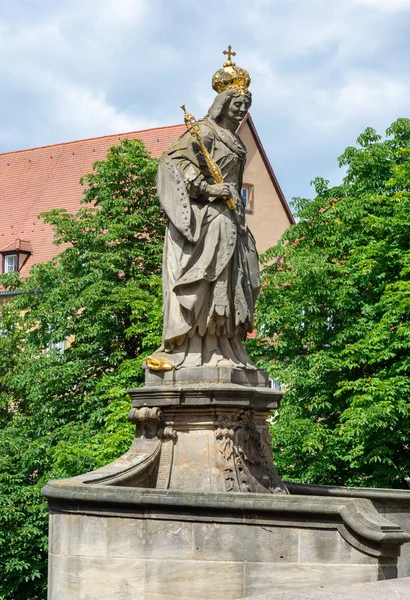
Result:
pixel 334 322
pixel 63 413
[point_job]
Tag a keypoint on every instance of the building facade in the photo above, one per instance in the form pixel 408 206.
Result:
pixel 40 179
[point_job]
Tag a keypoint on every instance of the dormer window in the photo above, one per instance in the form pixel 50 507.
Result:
pixel 10 263
pixel 15 255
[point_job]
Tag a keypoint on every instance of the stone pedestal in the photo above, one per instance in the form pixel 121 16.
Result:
pixel 205 437
pixel 196 509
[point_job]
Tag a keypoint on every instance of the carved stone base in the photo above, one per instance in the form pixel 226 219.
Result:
pixel 207 376
pixel 174 516
pixel 204 439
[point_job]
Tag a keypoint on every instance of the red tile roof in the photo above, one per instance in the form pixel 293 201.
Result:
pixel 39 179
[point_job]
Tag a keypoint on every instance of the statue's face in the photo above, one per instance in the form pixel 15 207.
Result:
pixel 237 108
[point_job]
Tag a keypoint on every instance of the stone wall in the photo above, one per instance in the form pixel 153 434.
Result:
pixel 394 505
pixel 124 543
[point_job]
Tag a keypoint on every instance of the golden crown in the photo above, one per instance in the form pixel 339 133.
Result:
pixel 231 76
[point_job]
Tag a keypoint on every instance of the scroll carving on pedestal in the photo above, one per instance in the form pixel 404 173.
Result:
pixel 246 455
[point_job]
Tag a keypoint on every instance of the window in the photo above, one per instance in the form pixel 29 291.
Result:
pixel 60 346
pixel 247 197
pixel 275 385
pixel 10 263
pixel 15 255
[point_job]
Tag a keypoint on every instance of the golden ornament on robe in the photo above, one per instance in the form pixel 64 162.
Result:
pixel 231 76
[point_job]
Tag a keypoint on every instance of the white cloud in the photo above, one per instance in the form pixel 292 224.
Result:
pixel 321 71
pixel 326 109
pixel 327 69
pixel 359 99
pixel 387 5
pixel 298 29
pixel 28 38
pixel 128 13
pixel 373 96
pixel 56 59
pixel 88 112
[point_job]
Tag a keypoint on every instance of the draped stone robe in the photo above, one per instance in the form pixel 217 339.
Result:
pixel 210 267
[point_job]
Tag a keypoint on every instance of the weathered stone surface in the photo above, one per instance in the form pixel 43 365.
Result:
pixel 120 543
pixel 395 589
pixel 328 546
pixel 260 577
pixel 209 438
pixel 74 535
pixel 375 535
pixel 111 579
pixel 88 578
pixel 193 579
pixel 394 505
pixel 398 511
pixel 208 376
pixel 63 574
pixel 255 543
pixel 226 395
pixel 149 538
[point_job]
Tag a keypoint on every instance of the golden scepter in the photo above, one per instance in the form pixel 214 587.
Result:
pixel 215 171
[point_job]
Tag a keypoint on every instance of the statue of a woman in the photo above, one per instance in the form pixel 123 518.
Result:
pixel 210 269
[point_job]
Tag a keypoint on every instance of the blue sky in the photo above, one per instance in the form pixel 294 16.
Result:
pixel 322 71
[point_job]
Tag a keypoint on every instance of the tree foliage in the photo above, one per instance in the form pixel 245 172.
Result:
pixel 63 413
pixel 334 321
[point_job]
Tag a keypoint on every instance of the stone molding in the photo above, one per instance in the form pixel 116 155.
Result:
pixel 207 376
pixel 349 492
pixel 356 519
pixel 214 394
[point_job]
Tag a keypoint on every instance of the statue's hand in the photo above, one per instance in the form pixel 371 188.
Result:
pixel 218 190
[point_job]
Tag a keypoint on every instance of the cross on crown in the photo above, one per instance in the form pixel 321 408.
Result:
pixel 229 53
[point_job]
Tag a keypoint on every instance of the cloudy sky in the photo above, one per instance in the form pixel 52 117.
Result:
pixel 322 71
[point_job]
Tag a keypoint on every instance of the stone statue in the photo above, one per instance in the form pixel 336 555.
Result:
pixel 210 268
